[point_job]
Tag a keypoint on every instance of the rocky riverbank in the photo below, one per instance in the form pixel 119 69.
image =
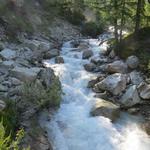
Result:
pixel 120 83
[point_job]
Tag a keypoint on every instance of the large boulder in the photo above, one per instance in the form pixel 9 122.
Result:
pixel 117 67
pixel 115 83
pixel 90 67
pixel 144 91
pixel 25 74
pixel 106 109
pixel 8 54
pixel 87 54
pixel 131 97
pixel 132 62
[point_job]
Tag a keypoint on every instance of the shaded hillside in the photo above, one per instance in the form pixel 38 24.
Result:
pixel 137 44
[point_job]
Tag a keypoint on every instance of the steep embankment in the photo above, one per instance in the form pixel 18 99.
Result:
pixel 23 18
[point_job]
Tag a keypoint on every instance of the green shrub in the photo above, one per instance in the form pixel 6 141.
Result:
pixel 74 17
pixel 38 95
pixel 10 117
pixel 6 142
pixel 92 29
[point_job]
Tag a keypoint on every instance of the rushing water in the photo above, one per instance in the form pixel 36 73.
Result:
pixel 72 128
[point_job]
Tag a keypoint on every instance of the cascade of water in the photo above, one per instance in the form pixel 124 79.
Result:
pixel 72 128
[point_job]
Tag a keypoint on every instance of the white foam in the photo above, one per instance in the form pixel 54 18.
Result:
pixel 72 128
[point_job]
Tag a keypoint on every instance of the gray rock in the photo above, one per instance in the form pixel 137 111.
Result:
pixel 3 88
pixel 115 83
pixel 90 67
pixel 136 77
pixel 15 82
pixel 144 90
pixel 132 62
pixel 106 109
pixel 92 83
pixel 8 54
pixel 112 54
pixel 103 95
pixel 59 60
pixel 117 67
pixel 25 74
pixel 131 97
pixel 51 53
pixel 47 77
pixel 7 64
pixel 87 54
pixel 2 105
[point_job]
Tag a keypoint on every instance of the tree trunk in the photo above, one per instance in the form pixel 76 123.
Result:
pixel 116 22
pixel 138 15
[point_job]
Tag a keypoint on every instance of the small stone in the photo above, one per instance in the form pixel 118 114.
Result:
pixel 132 62
pixel 59 60
pixel 90 67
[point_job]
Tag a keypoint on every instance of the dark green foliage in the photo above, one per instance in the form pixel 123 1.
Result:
pixel 92 29
pixel 74 17
pixel 9 116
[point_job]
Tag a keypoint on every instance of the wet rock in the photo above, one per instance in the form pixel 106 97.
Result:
pixel 112 54
pixel 136 77
pixel 103 95
pixel 106 109
pixel 92 83
pixel 117 67
pixel 47 77
pixel 132 62
pixel 90 67
pixel 87 54
pixel 59 60
pixel 133 111
pixel 144 91
pixel 25 74
pixel 115 83
pixel 131 97
pixel 51 53
pixel 99 61
pixel 146 127
pixel 8 54
pixel 2 105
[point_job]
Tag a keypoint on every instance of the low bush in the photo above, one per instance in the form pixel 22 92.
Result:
pixel 74 17
pixel 40 96
pixel 92 29
pixel 6 141
pixel 10 117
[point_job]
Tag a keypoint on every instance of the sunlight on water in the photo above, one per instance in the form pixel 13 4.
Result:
pixel 72 128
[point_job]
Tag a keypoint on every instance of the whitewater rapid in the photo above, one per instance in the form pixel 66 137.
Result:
pixel 72 128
